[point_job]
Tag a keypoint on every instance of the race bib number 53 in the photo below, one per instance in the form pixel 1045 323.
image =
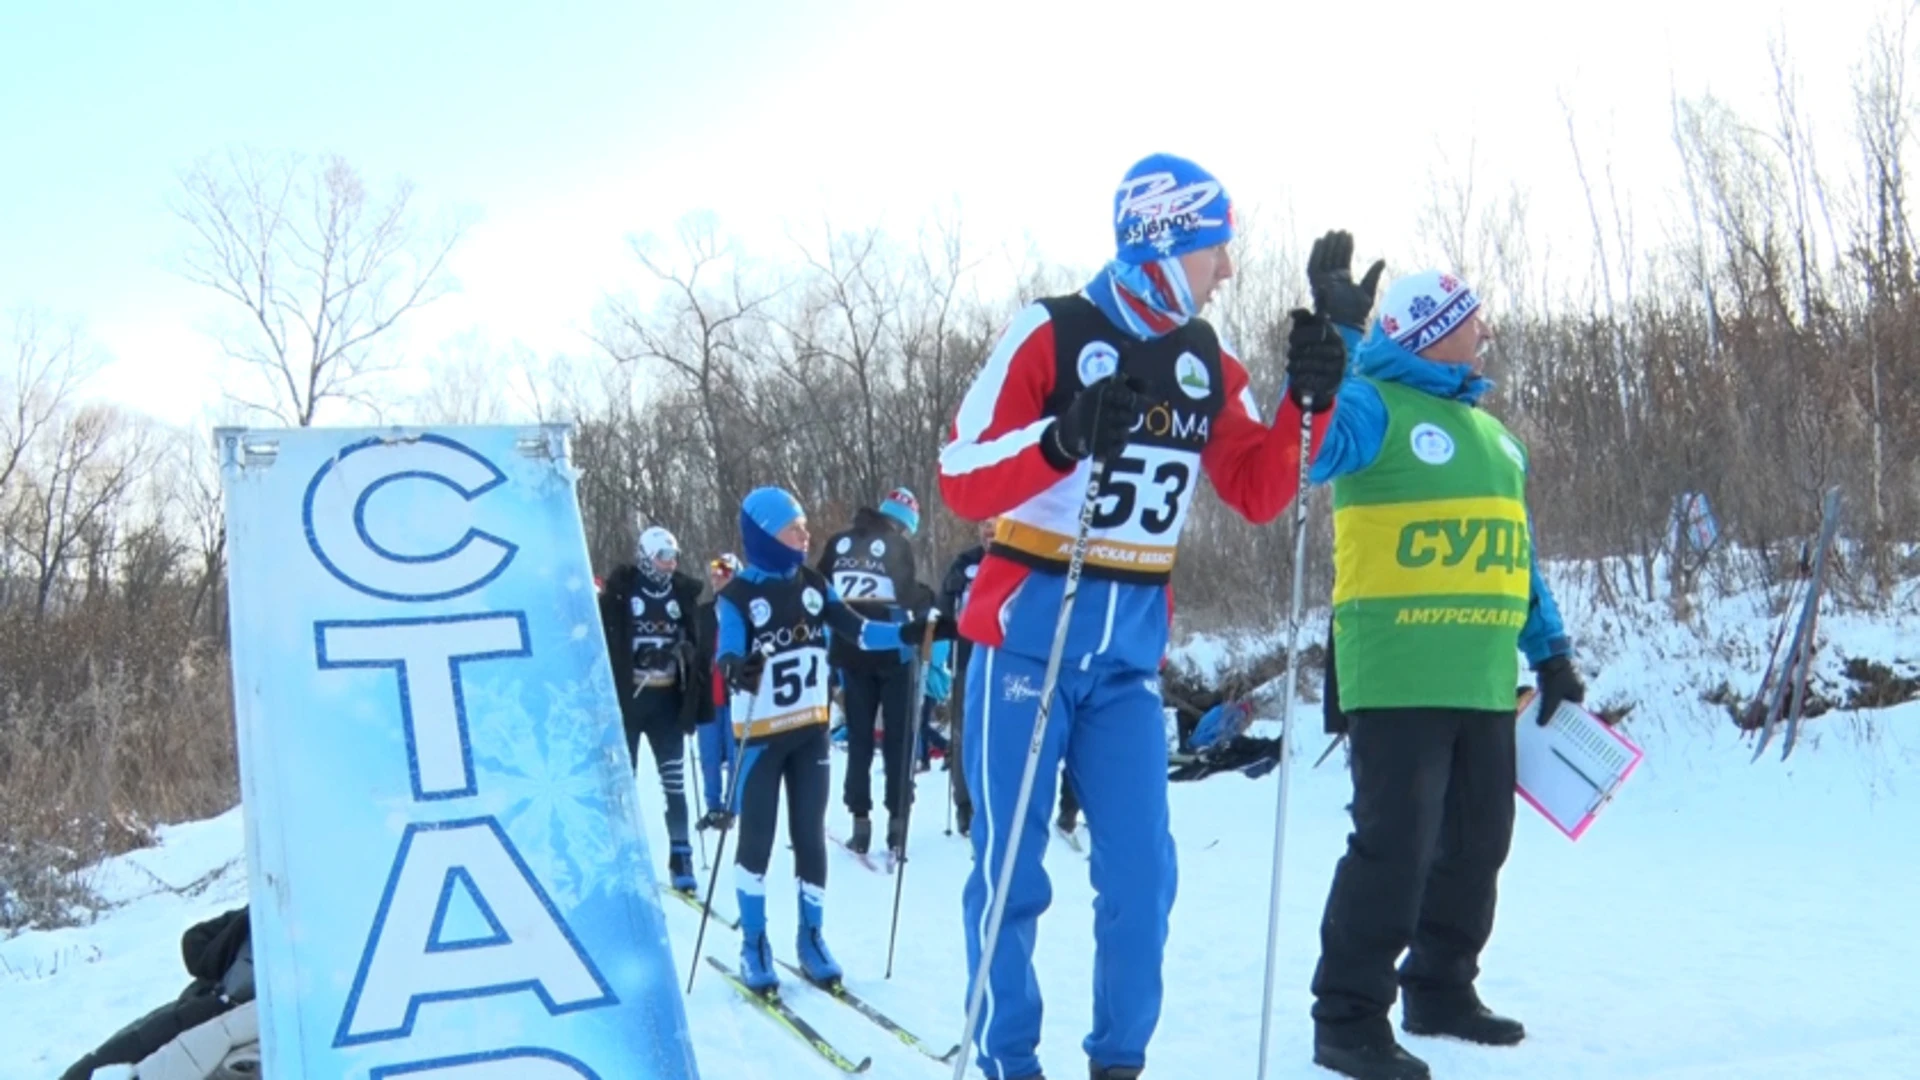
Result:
pixel 1145 495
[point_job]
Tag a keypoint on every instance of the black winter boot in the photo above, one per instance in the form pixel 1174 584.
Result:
pixel 862 837
pixel 1369 1054
pixel 1113 1072
pixel 1460 1018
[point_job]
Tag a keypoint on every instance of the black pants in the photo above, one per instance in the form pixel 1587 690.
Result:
pixel 1069 802
pixel 888 693
pixel 656 714
pixel 799 759
pixel 957 728
pixel 1433 809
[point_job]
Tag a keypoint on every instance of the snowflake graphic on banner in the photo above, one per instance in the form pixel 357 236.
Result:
pixel 1421 307
pixel 545 785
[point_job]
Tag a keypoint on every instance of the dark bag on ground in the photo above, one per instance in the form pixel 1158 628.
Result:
pixel 181 1038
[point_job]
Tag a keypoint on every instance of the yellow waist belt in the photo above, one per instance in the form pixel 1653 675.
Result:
pixel 1105 554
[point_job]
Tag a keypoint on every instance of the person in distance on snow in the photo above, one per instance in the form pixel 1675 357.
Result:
pixel 647 609
pixel 773 621
pixel 1435 586
pixel 871 566
pixel 715 733
pixel 1124 371
pixel 954 588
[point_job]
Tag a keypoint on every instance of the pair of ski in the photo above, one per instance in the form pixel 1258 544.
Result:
pixel 770 1003
pixel 886 863
pixel 1785 698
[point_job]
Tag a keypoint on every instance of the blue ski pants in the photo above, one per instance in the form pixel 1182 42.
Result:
pixel 716 748
pixel 1107 724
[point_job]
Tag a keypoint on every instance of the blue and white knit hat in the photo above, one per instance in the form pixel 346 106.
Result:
pixel 901 506
pixel 1166 207
pixel 1420 309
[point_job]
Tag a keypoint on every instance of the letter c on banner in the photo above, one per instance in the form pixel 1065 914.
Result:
pixel 344 540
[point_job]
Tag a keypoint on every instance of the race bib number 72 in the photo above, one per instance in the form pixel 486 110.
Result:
pixel 861 585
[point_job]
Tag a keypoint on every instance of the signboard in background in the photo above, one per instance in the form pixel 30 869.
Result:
pixel 449 878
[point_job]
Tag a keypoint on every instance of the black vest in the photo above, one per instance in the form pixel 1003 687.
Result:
pixel 784 617
pixel 872 569
pixel 1151 484
pixel 658 623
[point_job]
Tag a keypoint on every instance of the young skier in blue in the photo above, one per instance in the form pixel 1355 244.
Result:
pixel 772 652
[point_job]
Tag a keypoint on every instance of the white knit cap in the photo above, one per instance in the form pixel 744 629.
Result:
pixel 1420 309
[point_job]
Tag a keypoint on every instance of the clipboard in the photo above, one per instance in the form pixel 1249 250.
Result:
pixel 1572 768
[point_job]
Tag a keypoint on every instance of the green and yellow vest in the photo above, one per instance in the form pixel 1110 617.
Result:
pixel 1432 560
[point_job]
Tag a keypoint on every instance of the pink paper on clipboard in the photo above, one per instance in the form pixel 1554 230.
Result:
pixel 1571 768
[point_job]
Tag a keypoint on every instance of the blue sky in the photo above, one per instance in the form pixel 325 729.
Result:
pixel 568 127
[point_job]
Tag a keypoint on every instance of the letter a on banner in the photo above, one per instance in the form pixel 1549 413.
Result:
pixel 448 871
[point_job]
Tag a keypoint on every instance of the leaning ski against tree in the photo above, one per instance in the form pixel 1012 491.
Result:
pixel 1124 384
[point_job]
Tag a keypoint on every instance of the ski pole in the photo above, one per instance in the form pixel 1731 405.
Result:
pixel 909 779
pixel 949 759
pixel 699 793
pixel 1286 722
pixel 720 849
pixel 1331 747
pixel 977 995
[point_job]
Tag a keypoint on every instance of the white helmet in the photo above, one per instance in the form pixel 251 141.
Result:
pixel 658 543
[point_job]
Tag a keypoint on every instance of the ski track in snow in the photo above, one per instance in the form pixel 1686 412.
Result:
pixel 1723 918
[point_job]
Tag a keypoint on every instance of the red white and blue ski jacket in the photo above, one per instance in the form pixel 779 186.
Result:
pixel 1204 420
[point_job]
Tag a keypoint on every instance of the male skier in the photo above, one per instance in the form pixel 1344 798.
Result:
pixel 1126 373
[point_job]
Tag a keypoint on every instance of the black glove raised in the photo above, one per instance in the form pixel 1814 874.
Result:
pixel 1098 421
pixel 742 673
pixel 1558 683
pixel 1316 361
pixel 914 631
pixel 1330 278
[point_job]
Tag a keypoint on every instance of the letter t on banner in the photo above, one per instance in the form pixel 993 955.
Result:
pixel 449 875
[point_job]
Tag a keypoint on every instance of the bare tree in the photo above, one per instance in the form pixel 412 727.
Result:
pixel 696 329
pixel 320 267
pixel 83 469
pixel 853 300
pixel 48 367
pixel 1883 246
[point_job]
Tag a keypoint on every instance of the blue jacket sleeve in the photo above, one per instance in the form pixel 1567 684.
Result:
pixel 1543 635
pixel 732 639
pixel 1356 429
pixel 869 635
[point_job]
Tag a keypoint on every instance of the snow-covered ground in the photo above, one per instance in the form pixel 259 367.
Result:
pixel 1725 918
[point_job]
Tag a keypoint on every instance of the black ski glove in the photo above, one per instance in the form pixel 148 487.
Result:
pixel 1097 423
pixel 914 631
pixel 1316 361
pixel 1558 683
pixel 1330 278
pixel 742 673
